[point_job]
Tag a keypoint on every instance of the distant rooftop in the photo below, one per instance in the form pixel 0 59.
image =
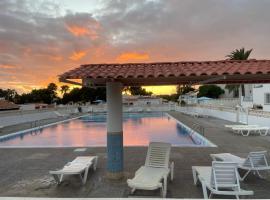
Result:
pixel 164 73
pixel 7 105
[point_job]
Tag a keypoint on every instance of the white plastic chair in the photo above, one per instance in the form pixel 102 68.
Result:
pixel 79 166
pixel 153 175
pixel 245 131
pixel 221 179
pixel 255 162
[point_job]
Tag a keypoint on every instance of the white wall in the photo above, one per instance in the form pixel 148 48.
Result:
pixel 258 95
pixel 147 102
pixel 229 115
pixel 27 107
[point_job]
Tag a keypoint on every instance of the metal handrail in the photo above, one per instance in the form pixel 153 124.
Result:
pixel 35 123
pixel 198 127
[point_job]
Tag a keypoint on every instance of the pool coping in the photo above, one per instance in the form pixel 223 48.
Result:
pixel 94 146
pixel 211 144
pixel 40 127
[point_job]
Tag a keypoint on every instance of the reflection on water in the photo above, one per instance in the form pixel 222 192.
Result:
pixel 139 129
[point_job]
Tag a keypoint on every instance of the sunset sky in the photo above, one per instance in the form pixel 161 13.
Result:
pixel 40 39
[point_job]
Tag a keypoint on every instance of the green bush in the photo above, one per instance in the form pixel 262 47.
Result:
pixel 211 91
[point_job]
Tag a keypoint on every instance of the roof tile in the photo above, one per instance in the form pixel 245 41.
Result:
pixel 168 69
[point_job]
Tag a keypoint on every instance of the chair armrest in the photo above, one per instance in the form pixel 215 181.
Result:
pixel 138 170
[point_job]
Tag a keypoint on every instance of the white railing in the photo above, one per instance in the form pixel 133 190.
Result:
pixel 239 115
pixel 228 102
pixel 248 99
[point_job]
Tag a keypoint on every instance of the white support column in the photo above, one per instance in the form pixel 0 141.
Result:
pixel 115 162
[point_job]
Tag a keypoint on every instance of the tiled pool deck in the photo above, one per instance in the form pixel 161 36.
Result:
pixel 24 172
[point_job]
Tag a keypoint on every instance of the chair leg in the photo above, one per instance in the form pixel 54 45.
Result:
pixel 164 192
pixel 172 171
pixel 205 195
pixel 133 190
pixel 245 175
pixel 258 173
pixel 56 178
pixel 85 175
pixel 263 133
pixel 95 164
pixel 195 179
pixel 61 177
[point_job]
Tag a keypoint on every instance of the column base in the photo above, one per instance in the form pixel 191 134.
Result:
pixel 115 175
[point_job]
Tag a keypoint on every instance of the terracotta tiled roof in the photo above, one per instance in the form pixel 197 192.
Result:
pixel 180 71
pixel 6 105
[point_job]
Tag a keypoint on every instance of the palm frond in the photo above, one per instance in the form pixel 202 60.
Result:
pixel 239 54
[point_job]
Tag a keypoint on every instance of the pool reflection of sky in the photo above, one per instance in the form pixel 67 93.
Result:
pixel 139 130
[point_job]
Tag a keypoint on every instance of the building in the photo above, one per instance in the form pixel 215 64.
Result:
pixel 7 105
pixel 34 106
pixel 188 98
pixel 138 100
pixel 257 96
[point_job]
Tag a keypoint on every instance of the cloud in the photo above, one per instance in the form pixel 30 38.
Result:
pixel 45 40
pixel 130 56
pixel 8 67
pixel 82 24
pixel 78 31
pixel 77 55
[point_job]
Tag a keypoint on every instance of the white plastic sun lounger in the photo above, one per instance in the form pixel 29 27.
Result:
pixel 221 179
pixel 240 126
pixel 153 175
pixel 79 166
pixel 255 162
pixel 245 131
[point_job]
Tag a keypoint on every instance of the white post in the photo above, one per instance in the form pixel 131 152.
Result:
pixel 240 95
pixel 115 162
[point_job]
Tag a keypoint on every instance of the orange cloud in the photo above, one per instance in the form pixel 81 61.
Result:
pixel 8 67
pixel 57 58
pixel 132 57
pixel 77 31
pixel 77 55
pixel 82 31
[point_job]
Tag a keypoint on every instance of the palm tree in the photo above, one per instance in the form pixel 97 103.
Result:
pixel 238 54
pixel 64 89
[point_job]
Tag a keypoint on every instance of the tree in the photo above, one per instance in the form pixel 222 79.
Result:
pixel 64 89
pixel 183 89
pixel 172 97
pixel 238 54
pixel 84 94
pixel 211 91
pixel 43 95
pixel 8 94
pixel 136 90
pixel 52 87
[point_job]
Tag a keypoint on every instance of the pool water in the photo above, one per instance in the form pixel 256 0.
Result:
pixel 139 129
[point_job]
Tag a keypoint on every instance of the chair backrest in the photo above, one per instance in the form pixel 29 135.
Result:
pixel 225 175
pixel 256 159
pixel 158 155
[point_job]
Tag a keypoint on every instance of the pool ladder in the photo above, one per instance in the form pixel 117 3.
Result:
pixel 35 124
pixel 199 128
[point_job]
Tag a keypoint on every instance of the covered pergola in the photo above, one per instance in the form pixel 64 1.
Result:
pixel 116 76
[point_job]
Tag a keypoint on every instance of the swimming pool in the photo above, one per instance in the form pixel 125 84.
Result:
pixel 139 129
